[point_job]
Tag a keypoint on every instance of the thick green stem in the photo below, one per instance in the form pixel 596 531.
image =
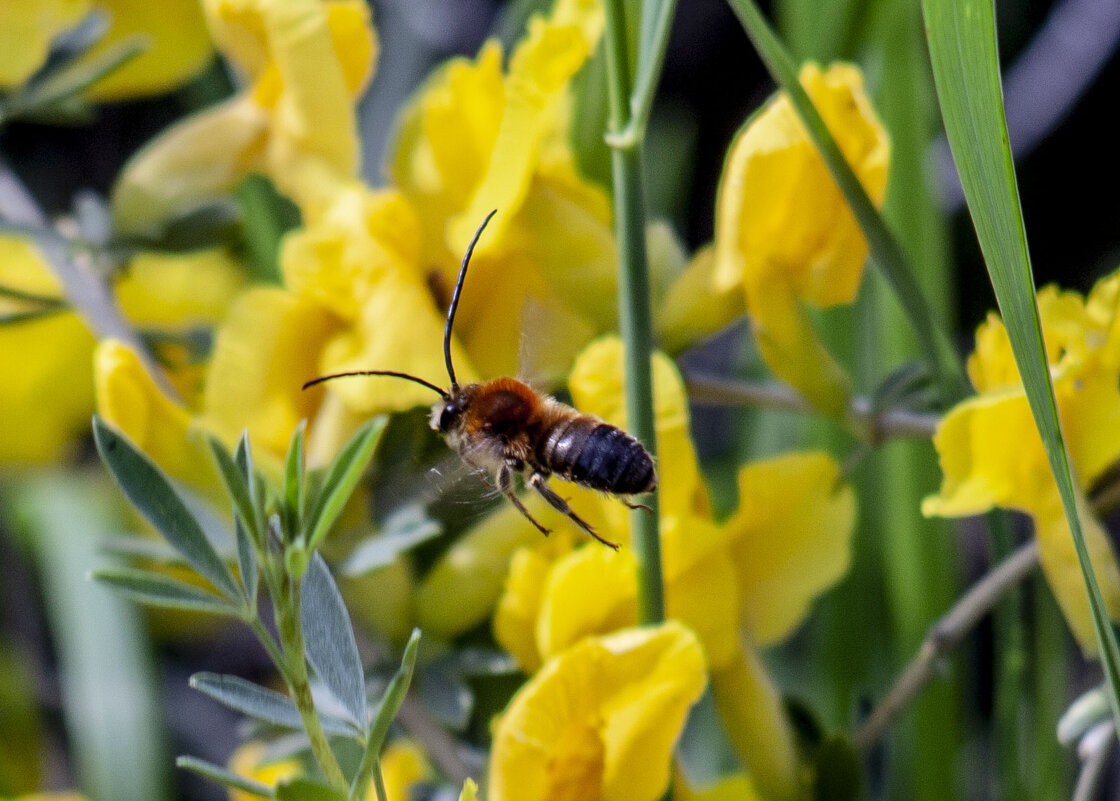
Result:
pixel 287 609
pixel 633 301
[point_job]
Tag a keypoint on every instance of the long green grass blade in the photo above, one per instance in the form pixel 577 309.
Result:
pixel 962 43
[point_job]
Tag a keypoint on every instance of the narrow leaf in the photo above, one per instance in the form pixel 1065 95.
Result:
pixel 293 476
pixel 386 711
pixel 329 637
pixel 243 456
pixel 342 477
pixel 224 776
pixel 235 482
pixel 246 563
pixel 962 43
pixel 156 589
pixel 150 491
pixel 263 704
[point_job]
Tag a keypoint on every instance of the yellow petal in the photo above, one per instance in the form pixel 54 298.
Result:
pixel 267 348
pixel 515 619
pixel 26 30
pixel 539 71
pixel 177 47
pixel 755 721
pixel 790 539
pixel 1059 561
pixel 599 720
pixel 46 395
pixel 128 398
pixel 592 590
pixel 179 291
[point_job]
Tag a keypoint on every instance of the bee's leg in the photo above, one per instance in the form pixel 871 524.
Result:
pixel 505 484
pixel 626 502
pixel 537 482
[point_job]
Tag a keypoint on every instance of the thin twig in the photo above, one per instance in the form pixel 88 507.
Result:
pixel 719 391
pixel 943 636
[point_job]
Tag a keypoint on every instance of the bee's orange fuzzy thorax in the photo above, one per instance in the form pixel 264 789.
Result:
pixel 500 402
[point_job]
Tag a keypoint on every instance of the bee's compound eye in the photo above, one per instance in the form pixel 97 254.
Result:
pixel 447 417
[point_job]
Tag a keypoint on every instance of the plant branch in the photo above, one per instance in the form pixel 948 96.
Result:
pixel 943 636
pixel 880 423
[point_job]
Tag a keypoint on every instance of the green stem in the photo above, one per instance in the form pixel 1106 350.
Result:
pixel 633 302
pixel 287 610
pixel 886 252
pixel 379 782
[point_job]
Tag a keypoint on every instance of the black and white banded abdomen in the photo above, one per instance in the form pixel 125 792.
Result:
pixel 587 451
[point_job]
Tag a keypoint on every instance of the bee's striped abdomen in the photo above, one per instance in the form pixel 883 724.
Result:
pixel 598 455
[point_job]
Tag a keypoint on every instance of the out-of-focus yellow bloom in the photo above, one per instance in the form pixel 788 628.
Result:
pixel 129 398
pixel 785 233
pixel 991 453
pixel 46 395
pixel 477 138
pixel 63 796
pixel 248 761
pixel 304 62
pixel 174 32
pixel 599 720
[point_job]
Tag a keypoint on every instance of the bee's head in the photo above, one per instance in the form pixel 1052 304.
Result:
pixel 447 413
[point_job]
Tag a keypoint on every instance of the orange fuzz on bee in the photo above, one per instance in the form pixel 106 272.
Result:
pixel 506 427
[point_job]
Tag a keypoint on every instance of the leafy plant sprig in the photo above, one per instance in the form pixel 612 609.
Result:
pixel 274 544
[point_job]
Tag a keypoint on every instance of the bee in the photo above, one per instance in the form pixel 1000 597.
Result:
pixel 505 427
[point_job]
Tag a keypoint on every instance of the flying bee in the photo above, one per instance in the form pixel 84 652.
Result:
pixel 504 426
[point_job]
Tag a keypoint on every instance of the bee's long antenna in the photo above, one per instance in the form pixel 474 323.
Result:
pixel 390 373
pixel 455 301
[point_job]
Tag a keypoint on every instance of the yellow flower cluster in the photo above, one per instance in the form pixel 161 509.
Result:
pixel 992 455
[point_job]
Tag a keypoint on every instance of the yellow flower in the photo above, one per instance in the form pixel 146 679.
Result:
pixel 477 138
pixel 785 233
pixel 991 453
pixel 599 721
pixel 174 32
pixel 304 62
pixel 46 395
